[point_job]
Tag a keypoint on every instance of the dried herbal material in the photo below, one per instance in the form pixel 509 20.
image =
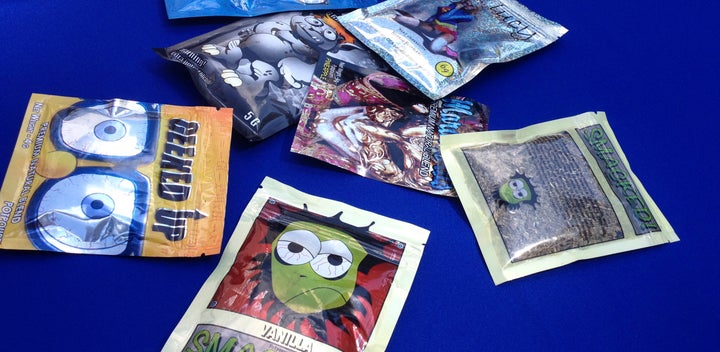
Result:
pixel 302 273
pixel 551 194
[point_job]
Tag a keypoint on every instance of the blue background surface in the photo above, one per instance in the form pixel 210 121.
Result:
pixel 652 66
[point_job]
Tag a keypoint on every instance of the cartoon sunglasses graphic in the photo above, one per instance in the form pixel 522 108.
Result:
pixel 85 206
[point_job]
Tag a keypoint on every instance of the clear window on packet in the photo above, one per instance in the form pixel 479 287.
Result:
pixel 303 273
pixel 551 194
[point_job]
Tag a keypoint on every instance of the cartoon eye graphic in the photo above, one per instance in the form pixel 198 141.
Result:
pixel 519 190
pixel 314 21
pixel 328 279
pixel 92 210
pixel 107 130
pixel 333 261
pixel 110 130
pixel 516 190
pixel 520 193
pixel 330 34
pixel 97 205
pixel 297 247
pixel 516 184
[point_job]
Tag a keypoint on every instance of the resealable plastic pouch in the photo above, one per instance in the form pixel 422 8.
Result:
pixel 261 67
pixel 245 8
pixel 304 273
pixel 369 120
pixel 439 46
pixel 117 177
pixel 551 194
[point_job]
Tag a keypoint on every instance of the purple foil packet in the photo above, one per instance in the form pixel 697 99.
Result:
pixel 372 122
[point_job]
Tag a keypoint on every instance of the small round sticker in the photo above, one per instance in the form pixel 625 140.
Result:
pixel 444 68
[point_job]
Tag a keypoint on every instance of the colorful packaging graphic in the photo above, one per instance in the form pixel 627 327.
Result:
pixel 117 177
pixel 203 8
pixel 371 121
pixel 261 67
pixel 303 273
pixel 440 45
pixel 550 194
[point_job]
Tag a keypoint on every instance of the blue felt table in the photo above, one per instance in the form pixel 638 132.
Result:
pixel 652 66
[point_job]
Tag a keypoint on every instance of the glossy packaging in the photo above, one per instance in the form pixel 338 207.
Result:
pixel 439 46
pixel 117 177
pixel 246 8
pixel 372 122
pixel 303 273
pixel 261 67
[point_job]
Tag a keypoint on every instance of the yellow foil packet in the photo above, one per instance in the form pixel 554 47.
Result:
pixel 551 194
pixel 117 177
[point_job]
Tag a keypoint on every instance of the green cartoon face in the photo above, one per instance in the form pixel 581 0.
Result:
pixel 314 267
pixel 515 191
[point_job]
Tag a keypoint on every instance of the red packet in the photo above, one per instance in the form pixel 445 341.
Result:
pixel 303 273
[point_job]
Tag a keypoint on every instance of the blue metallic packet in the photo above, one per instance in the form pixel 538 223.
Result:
pixel 250 8
pixel 261 67
pixel 439 46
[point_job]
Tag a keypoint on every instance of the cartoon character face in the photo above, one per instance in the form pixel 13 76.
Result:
pixel 314 267
pixel 107 130
pixel 516 191
pixel 314 32
pixel 94 210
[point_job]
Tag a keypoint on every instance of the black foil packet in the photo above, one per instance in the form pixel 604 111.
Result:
pixel 261 66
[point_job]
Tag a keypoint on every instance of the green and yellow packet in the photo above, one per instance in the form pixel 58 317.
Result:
pixel 551 194
pixel 303 273
pixel 117 177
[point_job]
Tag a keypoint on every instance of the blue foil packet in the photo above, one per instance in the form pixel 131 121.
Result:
pixel 250 8
pixel 440 45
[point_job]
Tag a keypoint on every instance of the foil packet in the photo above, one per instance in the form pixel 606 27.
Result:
pixel 438 46
pixel 261 67
pixel 117 177
pixel 243 8
pixel 551 194
pixel 370 121
pixel 303 273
